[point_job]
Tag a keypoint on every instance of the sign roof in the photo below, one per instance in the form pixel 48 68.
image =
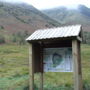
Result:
pixel 54 33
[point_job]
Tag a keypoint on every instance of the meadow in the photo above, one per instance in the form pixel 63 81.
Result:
pixel 14 72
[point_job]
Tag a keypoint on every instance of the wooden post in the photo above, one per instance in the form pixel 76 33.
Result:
pixel 77 65
pixel 41 74
pixel 41 81
pixel 31 68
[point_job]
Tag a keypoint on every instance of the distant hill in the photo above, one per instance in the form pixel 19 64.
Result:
pixel 65 16
pixel 19 20
pixel 23 17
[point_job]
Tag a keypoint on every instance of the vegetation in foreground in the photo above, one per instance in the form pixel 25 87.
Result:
pixel 14 73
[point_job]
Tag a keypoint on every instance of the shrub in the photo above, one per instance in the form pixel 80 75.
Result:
pixel 2 39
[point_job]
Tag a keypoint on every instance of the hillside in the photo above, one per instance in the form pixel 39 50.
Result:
pixel 81 15
pixel 22 17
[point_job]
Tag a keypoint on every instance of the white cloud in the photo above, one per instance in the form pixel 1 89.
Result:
pixel 41 4
pixel 13 1
pixel 52 3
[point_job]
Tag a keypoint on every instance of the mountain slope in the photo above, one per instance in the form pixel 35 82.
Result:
pixel 23 17
pixel 71 16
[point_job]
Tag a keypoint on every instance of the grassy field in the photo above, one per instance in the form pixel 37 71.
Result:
pixel 14 73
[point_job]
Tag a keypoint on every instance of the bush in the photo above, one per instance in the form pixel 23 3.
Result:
pixel 86 37
pixel 1 27
pixel 2 39
pixel 19 37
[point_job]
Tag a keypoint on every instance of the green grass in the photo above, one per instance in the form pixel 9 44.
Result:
pixel 14 73
pixel 13 66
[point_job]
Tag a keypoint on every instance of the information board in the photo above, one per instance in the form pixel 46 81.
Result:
pixel 57 60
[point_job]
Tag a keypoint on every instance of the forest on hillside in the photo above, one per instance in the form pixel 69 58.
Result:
pixel 19 38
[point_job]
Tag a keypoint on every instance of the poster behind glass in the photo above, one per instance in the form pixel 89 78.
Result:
pixel 58 59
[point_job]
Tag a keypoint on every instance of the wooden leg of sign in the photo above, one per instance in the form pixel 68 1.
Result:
pixel 41 81
pixel 31 68
pixel 41 74
pixel 77 65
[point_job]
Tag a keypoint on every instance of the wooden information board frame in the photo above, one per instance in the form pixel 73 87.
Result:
pixel 36 56
pixel 37 51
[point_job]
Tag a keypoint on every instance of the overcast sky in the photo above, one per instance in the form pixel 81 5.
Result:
pixel 44 4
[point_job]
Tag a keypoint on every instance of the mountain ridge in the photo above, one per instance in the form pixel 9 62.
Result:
pixel 65 16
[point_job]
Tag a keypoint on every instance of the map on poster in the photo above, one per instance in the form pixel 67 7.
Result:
pixel 57 60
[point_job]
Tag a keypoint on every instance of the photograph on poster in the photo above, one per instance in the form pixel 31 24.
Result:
pixel 58 60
